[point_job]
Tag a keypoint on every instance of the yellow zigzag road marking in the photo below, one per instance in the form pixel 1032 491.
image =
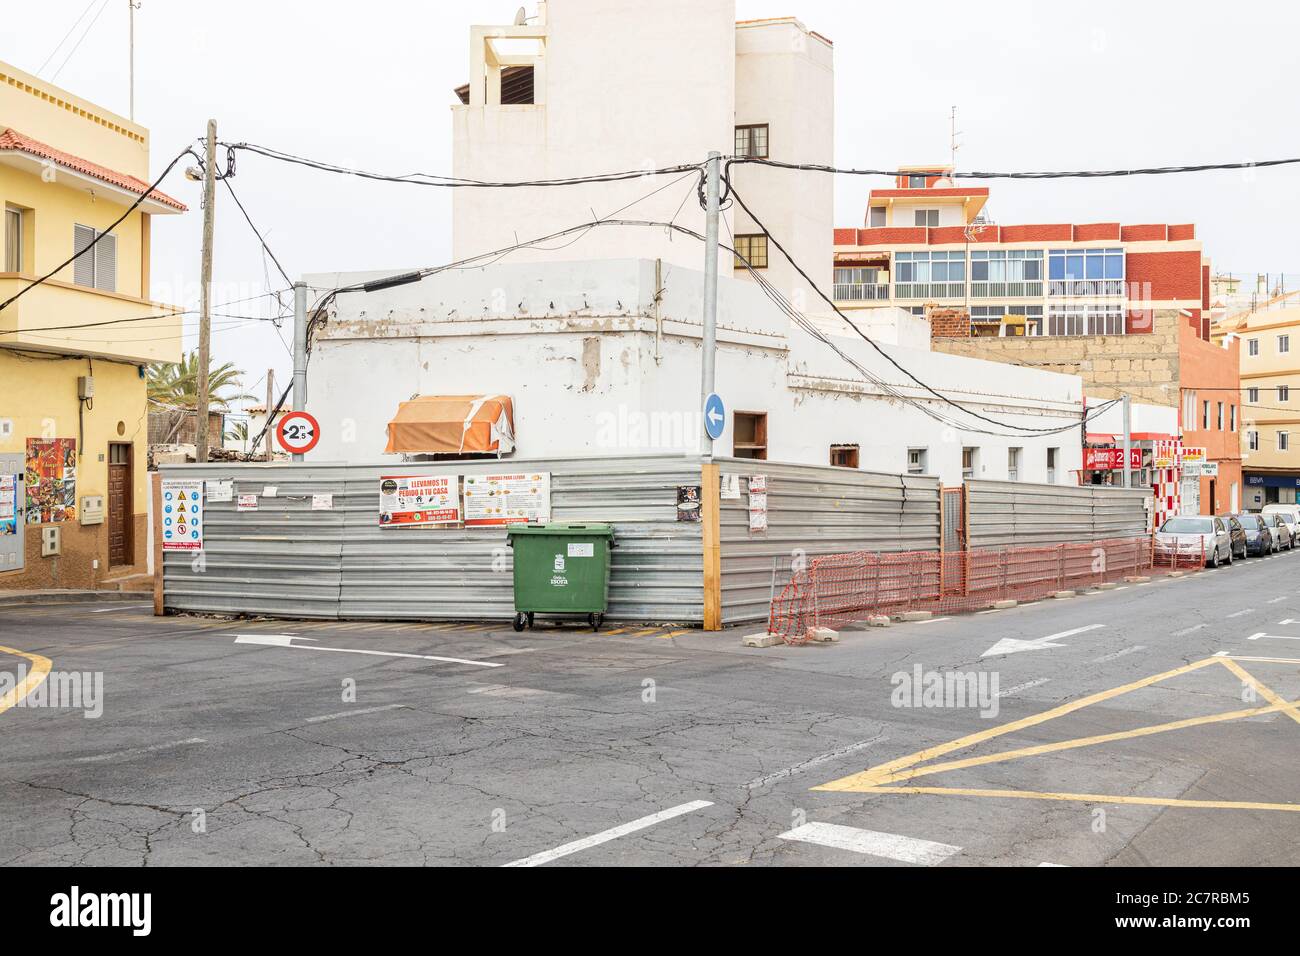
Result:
pixel 40 670
pixel 905 768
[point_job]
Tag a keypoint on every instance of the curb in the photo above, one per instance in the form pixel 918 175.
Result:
pixel 36 598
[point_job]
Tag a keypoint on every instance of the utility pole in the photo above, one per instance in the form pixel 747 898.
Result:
pixel 1128 441
pixel 268 431
pixel 299 350
pixel 132 6
pixel 205 304
pixel 709 343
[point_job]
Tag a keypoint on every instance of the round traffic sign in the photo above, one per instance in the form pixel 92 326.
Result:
pixel 715 416
pixel 297 432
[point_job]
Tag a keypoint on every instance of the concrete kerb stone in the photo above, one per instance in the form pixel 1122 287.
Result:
pixel 1002 605
pixel 915 615
pixel 1061 595
pixel 761 639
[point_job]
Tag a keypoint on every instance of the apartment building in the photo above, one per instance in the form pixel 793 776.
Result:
pixel 73 415
pixel 1126 307
pixel 1269 344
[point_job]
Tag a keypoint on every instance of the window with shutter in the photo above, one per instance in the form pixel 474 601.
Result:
pixel 83 268
pixel 106 264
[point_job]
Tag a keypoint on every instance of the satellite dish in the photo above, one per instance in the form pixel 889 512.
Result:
pixel 521 18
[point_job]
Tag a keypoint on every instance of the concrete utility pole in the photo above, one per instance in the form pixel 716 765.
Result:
pixel 205 305
pixel 1128 441
pixel 709 343
pixel 299 350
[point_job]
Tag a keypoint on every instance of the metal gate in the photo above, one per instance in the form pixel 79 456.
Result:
pixel 953 562
pixel 12 517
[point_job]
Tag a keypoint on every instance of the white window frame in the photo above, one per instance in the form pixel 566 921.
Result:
pixel 929 218
pixel 1252 395
pixel 1013 463
pixel 916 458
pixel 1284 393
pixel 1252 346
pixel 1252 440
pixel 14 250
pixel 101 246
pixel 1283 441
pixel 1220 415
pixel 1283 344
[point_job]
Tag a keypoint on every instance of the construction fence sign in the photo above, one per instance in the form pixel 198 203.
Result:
pixel 507 499
pixel 182 514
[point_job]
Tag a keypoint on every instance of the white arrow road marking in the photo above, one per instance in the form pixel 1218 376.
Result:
pixel 537 859
pixel 891 846
pixel 286 640
pixel 1011 645
pixel 1272 637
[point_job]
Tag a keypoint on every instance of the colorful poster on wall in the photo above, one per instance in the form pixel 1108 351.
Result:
pixel 688 503
pixel 8 504
pixel 51 480
pixel 507 499
pixel 418 500
pixel 758 503
pixel 182 514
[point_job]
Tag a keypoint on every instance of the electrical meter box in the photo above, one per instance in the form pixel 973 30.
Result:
pixel 92 509
pixel 51 542
pixel 85 387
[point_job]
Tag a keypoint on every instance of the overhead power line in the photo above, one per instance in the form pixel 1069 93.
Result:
pixel 1069 174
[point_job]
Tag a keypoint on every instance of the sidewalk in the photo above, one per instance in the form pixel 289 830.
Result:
pixel 65 596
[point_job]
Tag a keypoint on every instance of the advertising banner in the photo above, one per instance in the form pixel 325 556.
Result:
pixel 1110 459
pixel 410 501
pixel 8 504
pixel 51 480
pixel 507 499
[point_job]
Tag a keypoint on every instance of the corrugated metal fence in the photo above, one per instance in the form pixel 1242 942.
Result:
pixel 1007 513
pixel 286 559
pixel 813 511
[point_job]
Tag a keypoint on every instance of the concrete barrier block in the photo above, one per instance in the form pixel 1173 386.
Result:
pixel 916 615
pixel 1002 605
pixel 762 639
pixel 879 620
pixel 1107 586
pixel 823 635
pixel 1137 579
pixel 1063 594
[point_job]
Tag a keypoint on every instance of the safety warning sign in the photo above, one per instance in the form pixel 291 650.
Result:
pixel 182 514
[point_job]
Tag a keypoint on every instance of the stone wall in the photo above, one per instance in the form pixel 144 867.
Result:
pixel 1143 365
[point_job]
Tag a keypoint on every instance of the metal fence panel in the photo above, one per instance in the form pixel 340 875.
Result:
pixel 815 510
pixel 1013 513
pixel 286 559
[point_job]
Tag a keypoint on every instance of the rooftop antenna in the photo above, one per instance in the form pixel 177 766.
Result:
pixel 953 145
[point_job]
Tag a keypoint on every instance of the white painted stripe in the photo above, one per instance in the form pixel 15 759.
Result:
pixel 284 640
pixel 537 859
pixel 1263 660
pixel 1272 637
pixel 119 607
pixel 142 750
pixel 1025 686
pixel 933 620
pixel 1054 864
pixel 809 763
pixel 891 846
pixel 1249 610
pixel 352 713
pixel 1123 653
pixel 1188 630
pixel 1285 622
pixel 1276 599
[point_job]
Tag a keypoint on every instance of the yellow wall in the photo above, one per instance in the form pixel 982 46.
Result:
pixel 1266 371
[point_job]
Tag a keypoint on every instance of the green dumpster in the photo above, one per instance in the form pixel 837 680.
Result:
pixel 561 568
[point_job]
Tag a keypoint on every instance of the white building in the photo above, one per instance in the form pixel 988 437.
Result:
pixel 597 337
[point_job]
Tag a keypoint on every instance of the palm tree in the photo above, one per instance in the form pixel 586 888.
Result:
pixel 238 432
pixel 178 385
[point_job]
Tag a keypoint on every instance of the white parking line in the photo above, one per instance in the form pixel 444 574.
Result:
pixel 1025 686
pixel 286 640
pixel 537 859
pixel 1276 599
pixel 1125 652
pixel 891 846
pixel 1272 637
pixel 141 750
pixel 1249 610
pixel 1188 630
pixel 932 620
pixel 352 713
pixel 119 607
pixel 809 763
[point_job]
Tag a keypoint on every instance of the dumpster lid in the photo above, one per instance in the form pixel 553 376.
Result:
pixel 576 529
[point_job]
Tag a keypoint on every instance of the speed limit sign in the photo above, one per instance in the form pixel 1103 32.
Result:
pixel 298 432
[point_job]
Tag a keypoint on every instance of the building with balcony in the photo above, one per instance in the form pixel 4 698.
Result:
pixel 73 350
pixel 1127 308
pixel 1268 340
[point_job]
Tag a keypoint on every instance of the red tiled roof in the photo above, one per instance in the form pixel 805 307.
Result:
pixel 12 139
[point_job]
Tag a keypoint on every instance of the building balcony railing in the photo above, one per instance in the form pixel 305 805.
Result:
pixel 861 291
pixel 1078 288
pixel 1011 289
pixel 58 316
pixel 929 290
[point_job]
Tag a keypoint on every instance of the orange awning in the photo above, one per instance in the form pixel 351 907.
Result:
pixel 453 425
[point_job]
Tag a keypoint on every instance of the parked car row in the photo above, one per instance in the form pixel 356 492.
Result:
pixel 1221 538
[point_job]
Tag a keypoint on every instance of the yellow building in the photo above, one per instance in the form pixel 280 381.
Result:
pixel 1270 400
pixel 73 420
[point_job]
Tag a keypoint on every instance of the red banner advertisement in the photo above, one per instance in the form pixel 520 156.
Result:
pixel 1110 459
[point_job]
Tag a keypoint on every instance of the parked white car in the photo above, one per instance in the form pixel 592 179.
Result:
pixel 1290 514
pixel 1179 539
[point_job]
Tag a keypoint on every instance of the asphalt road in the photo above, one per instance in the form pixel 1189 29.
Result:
pixel 663 746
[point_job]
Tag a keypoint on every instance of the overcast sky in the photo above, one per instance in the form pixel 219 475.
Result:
pixel 1037 85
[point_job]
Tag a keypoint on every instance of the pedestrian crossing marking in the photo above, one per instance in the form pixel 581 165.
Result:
pixel 896 776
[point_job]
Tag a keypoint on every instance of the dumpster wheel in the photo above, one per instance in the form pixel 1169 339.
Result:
pixel 595 619
pixel 519 621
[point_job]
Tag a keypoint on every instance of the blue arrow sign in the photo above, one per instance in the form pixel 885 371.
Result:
pixel 715 416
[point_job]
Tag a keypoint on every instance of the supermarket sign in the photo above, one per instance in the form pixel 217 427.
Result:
pixel 1110 459
pixel 409 501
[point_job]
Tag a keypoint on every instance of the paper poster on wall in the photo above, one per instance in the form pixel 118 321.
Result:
pixel 688 503
pixel 182 514
pixel 8 504
pixel 51 480
pixel 322 502
pixel 418 500
pixel 758 503
pixel 246 503
pixel 507 499
pixel 729 487
pixel 219 490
